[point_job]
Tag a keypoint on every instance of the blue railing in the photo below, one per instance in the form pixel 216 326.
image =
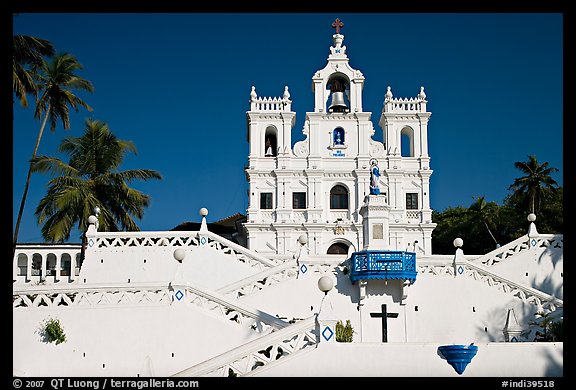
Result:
pixel 382 264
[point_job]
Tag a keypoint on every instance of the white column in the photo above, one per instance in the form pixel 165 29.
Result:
pixel 58 266
pixel 43 267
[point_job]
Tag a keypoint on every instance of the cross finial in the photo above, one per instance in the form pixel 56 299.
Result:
pixel 337 24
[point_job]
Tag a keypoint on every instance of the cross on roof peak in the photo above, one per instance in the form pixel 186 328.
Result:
pixel 337 25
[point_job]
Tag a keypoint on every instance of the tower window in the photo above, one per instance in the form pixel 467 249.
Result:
pixel 339 197
pixel 411 201
pixel 266 200
pixel 407 142
pixel 298 200
pixel 270 142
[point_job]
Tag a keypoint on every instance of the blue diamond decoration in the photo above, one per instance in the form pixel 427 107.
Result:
pixel 203 240
pixel 460 270
pixel 91 242
pixel 303 268
pixel 179 295
pixel 533 242
pixel 327 333
pixel 514 339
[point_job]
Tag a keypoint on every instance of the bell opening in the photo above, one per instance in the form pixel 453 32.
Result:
pixel 338 88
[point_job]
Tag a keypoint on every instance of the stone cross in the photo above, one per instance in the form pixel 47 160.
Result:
pixel 337 24
pixel 384 315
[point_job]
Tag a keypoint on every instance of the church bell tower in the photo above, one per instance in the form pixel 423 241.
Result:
pixel 318 186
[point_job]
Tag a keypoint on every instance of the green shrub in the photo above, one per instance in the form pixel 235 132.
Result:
pixel 53 331
pixel 344 333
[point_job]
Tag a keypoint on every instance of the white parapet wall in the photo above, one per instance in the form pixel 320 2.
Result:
pixel 506 360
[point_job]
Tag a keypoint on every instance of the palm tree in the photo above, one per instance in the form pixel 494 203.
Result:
pixel 56 81
pixel 536 178
pixel 28 53
pixel 90 179
pixel 484 213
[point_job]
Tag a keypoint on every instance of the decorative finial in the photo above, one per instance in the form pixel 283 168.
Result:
pixel 458 242
pixel 253 95
pixel 532 231
pixel 203 224
pixel 337 25
pixel 179 254
pixel 286 93
pixel 422 94
pixel 325 284
pixel 388 92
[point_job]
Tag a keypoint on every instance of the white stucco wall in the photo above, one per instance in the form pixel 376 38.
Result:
pixel 437 308
pixel 121 341
pixel 505 360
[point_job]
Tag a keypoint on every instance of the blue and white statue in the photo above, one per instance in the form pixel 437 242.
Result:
pixel 374 177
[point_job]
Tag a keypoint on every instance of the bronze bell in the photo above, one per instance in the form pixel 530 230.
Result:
pixel 338 103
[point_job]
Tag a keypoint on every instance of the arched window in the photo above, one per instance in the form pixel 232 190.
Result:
pixel 407 142
pixel 338 248
pixel 22 264
pixel 65 264
pixel 270 142
pixel 338 136
pixel 339 197
pixel 50 264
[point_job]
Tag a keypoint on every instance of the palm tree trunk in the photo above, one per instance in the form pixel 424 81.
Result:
pixel 491 235
pixel 23 201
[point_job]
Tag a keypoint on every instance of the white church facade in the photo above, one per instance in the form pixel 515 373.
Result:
pixel 190 304
pixel 318 186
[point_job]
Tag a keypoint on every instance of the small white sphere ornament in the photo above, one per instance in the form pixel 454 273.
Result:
pixel 303 239
pixel 325 284
pixel 179 254
pixel 458 242
pixel 531 217
pixel 92 220
pixel 203 211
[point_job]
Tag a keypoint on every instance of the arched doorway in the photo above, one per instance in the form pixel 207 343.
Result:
pixel 338 248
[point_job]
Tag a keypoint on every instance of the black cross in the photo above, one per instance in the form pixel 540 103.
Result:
pixel 384 315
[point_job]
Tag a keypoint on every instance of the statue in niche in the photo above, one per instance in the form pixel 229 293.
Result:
pixel 338 136
pixel 269 152
pixel 374 177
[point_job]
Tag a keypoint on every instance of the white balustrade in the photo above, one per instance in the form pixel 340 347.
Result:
pixel 405 105
pixel 46 263
pixel 270 104
pixel 413 214
pixel 520 244
pixel 260 352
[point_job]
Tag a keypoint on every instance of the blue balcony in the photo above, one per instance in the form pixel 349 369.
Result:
pixel 382 264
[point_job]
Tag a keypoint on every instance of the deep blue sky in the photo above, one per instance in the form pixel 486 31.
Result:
pixel 178 86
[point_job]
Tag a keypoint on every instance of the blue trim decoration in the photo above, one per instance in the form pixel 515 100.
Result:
pixel 383 264
pixel 460 270
pixel 179 295
pixel 327 333
pixel 303 268
pixel 458 356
